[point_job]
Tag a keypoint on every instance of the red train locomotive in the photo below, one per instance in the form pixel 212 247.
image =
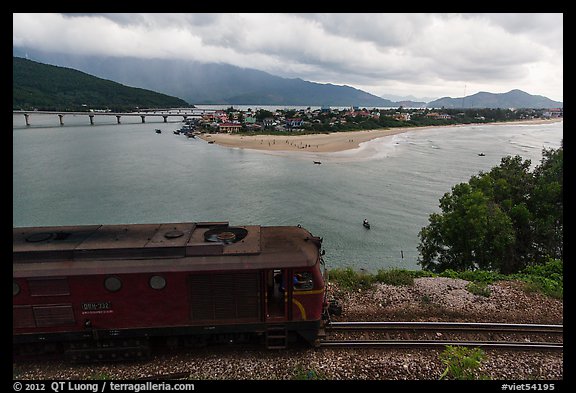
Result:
pixel 104 292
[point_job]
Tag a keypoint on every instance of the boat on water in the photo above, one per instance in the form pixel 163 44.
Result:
pixel 366 224
pixel 481 154
pixel 317 162
pixel 158 131
pixel 186 128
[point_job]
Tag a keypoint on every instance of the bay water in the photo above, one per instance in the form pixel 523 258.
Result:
pixel 111 173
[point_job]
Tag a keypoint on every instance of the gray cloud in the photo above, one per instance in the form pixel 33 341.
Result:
pixel 418 54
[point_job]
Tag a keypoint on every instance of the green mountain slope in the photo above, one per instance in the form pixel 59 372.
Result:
pixel 47 87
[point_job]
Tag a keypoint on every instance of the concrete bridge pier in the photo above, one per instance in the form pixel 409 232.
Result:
pixel 61 119
pixel 27 117
pixel 118 119
pixel 165 118
pixel 91 119
pixel 143 118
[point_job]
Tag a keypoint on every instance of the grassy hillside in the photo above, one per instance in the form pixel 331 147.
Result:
pixel 47 87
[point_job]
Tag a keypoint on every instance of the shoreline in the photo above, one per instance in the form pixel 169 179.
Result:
pixel 329 142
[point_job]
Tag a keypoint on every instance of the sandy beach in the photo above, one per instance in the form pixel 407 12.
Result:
pixel 329 142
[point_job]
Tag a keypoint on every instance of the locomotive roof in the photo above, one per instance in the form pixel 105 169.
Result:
pixel 130 248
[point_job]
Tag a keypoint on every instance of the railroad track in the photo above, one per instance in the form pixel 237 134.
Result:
pixel 467 328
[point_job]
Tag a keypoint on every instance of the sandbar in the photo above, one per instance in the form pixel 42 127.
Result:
pixel 328 142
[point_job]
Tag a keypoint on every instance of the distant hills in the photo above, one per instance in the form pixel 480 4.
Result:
pixel 48 87
pixel 512 99
pixel 214 83
pixel 223 84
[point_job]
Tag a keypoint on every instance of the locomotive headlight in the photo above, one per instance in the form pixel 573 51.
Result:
pixel 113 284
pixel 157 282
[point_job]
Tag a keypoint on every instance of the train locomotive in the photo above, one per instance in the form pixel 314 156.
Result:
pixel 112 292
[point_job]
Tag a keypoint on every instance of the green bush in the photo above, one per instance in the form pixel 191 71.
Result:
pixel 422 273
pixel 301 373
pixel 544 285
pixel 553 269
pixel 480 276
pixel 351 279
pixel 461 362
pixel 547 278
pixel 449 273
pixel 395 277
pixel 478 288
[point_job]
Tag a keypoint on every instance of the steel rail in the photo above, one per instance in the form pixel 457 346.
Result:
pixel 445 326
pixel 438 343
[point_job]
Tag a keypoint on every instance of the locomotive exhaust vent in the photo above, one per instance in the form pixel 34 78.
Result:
pixel 39 237
pixel 226 235
pixel 43 236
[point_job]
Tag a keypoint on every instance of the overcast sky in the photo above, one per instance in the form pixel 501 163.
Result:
pixel 424 55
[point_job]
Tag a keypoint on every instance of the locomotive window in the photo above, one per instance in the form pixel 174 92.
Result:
pixel 113 284
pixel 303 281
pixel 157 282
pixel 15 288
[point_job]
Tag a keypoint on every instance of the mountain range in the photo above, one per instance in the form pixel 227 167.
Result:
pixel 223 84
pixel 48 87
pixel 212 83
pixel 512 99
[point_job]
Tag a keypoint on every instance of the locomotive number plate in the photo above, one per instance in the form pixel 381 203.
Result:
pixel 97 306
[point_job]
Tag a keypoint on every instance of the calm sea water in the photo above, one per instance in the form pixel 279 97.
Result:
pixel 113 174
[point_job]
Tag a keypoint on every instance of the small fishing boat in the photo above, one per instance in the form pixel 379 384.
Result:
pixel 366 224
pixel 481 154
pixel 317 162
pixel 158 131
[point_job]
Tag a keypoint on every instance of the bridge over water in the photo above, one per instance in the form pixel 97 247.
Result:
pixel 165 113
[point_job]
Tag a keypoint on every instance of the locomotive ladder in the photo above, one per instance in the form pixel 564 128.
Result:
pixel 276 336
